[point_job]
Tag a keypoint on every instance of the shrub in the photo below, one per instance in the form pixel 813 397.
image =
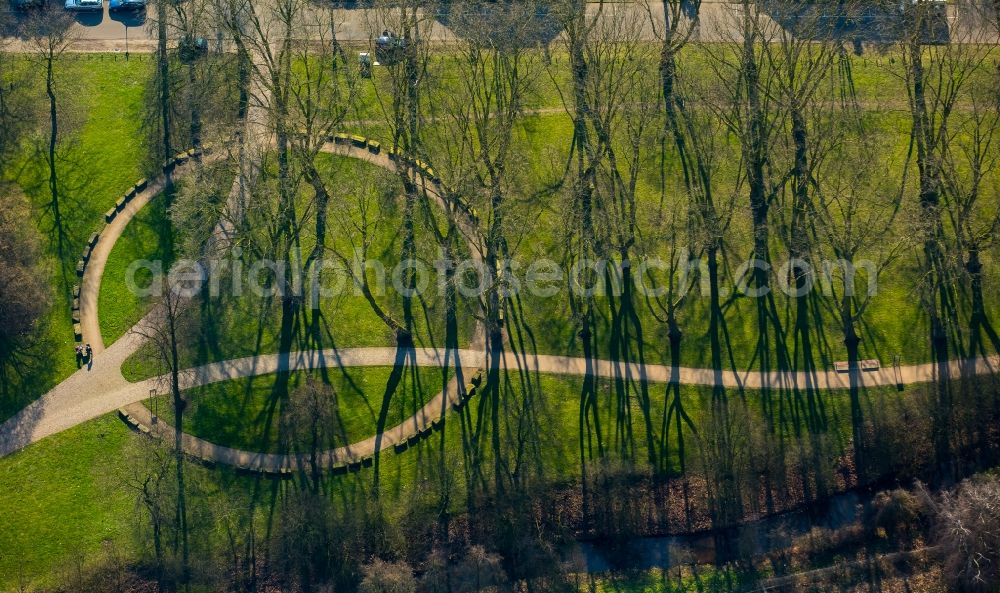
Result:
pixel 896 512
pixel 387 577
pixel 967 530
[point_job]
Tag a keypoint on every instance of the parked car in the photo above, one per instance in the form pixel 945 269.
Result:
pixel 126 5
pixel 85 5
pixel 389 49
pixel 191 48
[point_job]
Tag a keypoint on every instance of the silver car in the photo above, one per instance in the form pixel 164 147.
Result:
pixel 85 5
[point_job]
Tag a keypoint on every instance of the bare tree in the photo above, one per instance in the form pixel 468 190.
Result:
pixel 743 98
pixel 937 78
pixel 608 100
pixel 269 36
pixel 688 139
pixel 972 218
pixel 148 477
pixel 310 425
pixel 24 292
pixel 322 93
pixel 387 577
pixel 481 111
pixel 968 190
pixel 744 102
pixel 811 79
pixel 856 207
pixel 16 114
pixel 407 70
pixel 166 329
pixel 163 77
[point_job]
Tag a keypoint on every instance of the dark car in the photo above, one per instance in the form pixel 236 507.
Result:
pixel 389 48
pixel 126 5
pixel 191 48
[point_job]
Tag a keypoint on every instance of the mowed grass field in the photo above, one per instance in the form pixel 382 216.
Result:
pixel 60 498
pixel 64 498
pixel 100 154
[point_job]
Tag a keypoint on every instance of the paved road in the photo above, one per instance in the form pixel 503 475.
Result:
pixel 122 32
pixel 719 21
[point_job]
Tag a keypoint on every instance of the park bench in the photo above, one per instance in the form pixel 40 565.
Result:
pixel 870 364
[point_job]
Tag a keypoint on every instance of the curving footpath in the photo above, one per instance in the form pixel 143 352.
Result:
pixel 61 409
pixel 88 394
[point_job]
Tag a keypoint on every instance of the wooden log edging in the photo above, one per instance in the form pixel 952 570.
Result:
pixel 291 462
pixel 138 187
pixel 341 460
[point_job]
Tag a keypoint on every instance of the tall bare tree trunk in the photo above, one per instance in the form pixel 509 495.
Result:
pixel 163 68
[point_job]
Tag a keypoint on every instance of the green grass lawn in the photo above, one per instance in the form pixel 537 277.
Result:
pixel 894 323
pixel 237 325
pixel 64 497
pixel 537 227
pixel 100 155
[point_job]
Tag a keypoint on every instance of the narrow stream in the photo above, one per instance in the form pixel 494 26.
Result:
pixel 752 539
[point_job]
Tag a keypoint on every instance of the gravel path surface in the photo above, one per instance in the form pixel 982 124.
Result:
pixel 85 396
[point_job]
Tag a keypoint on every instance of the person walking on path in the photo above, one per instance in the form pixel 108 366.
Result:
pixel 79 356
pixel 89 354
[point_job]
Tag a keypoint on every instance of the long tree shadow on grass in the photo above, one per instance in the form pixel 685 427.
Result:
pixel 626 334
pixel 67 232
